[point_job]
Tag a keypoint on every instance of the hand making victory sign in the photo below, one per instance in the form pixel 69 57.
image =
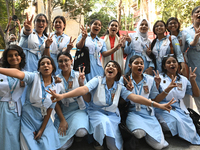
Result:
pixel 129 85
pixel 81 77
pixel 70 45
pixel 28 24
pixel 84 32
pixel 148 49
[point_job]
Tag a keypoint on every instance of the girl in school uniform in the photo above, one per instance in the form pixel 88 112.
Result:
pixel 57 40
pixel 96 46
pixel 103 107
pixel 185 40
pixel 33 40
pixel 178 121
pixel 71 118
pixel 141 119
pixel 138 44
pixel 37 130
pixel 161 46
pixel 193 53
pixel 11 90
pixel 111 39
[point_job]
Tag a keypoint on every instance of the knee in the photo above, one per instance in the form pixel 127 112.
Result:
pixel 139 133
pixel 81 132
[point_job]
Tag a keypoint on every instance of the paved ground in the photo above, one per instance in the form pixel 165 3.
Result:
pixel 175 143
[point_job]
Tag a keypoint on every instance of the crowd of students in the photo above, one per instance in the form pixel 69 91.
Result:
pixel 37 77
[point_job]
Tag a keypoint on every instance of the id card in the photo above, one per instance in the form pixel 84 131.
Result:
pixel 95 55
pixel 43 111
pixel 179 85
pixel 138 107
pixel 70 84
pixel 146 88
pixel 39 55
pixel 99 43
pixel 11 105
pixel 22 84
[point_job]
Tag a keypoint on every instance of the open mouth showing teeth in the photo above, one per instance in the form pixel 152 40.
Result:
pixel 139 69
pixel 110 72
pixel 198 17
pixel 96 29
pixel 113 30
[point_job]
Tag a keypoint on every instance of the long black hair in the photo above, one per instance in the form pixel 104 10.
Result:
pixel 61 18
pixel 5 63
pixel 131 60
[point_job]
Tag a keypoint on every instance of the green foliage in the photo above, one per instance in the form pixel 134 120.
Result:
pixel 180 8
pixel 105 18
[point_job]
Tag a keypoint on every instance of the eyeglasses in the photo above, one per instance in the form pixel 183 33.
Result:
pixel 65 61
pixel 40 20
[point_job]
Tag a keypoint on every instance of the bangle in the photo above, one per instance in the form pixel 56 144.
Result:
pixel 152 103
pixel 46 47
pixel 165 92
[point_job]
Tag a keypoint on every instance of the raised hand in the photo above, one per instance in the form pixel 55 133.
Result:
pixel 129 85
pixel 197 32
pixel 167 106
pixel 148 49
pixel 63 127
pixel 49 41
pixel 28 23
pixel 193 74
pixel 81 77
pixel 70 45
pixel 55 97
pixel 84 32
pixel 173 82
pixel 127 37
pixel 157 78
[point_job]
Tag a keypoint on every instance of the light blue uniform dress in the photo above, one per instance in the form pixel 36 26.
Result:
pixel 137 47
pixel 162 48
pixel 142 116
pixel 178 120
pixel 10 117
pixel 33 47
pixel 95 46
pixel 75 117
pixel 103 111
pixel 32 118
pixel 59 42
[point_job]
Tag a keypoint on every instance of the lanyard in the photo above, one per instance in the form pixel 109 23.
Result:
pixel 59 40
pixel 12 88
pixel 41 43
pixel 66 84
pixel 158 48
pixel 138 89
pixel 95 40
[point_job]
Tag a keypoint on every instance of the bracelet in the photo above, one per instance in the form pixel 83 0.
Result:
pixel 46 47
pixel 165 92
pixel 152 103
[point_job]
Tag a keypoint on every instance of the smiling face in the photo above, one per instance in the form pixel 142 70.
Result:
pixel 173 26
pixel 159 28
pixel 171 65
pixel 143 26
pixel 46 67
pixel 111 71
pixel 13 58
pixel 59 25
pixel 196 16
pixel 64 63
pixel 40 24
pixel 113 28
pixel 95 28
pixel 137 66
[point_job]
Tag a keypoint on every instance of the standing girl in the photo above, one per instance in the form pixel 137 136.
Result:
pixel 37 130
pixel 193 53
pixel 57 40
pixel 138 44
pixel 111 39
pixel 96 46
pixel 161 46
pixel 178 121
pixel 103 108
pixel 71 118
pixel 11 90
pixel 33 40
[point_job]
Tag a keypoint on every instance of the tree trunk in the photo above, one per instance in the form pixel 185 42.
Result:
pixel 13 13
pixel 7 6
pixel 119 13
pixel 49 15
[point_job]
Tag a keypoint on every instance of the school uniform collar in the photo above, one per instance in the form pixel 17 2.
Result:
pixel 114 85
pixel 157 40
pixel 166 76
pixel 143 80
pixel 72 74
pixel 191 26
pixel 62 35
pixel 42 37
pixel 53 80
pixel 95 37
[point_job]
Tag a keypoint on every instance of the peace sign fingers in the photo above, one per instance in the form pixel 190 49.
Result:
pixel 129 85
pixel 70 45
pixel 81 78
pixel 157 78
pixel 193 74
pixel 49 41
